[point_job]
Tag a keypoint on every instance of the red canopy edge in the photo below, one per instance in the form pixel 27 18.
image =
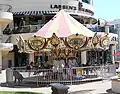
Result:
pixel 116 54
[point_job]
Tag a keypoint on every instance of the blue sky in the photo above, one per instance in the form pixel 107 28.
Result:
pixel 107 9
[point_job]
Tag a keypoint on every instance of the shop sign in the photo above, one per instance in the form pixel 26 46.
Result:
pixel 68 7
pixel 63 7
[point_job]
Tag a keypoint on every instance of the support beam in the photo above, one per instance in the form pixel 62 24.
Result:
pixel 113 52
pixel 43 19
pixel 1 34
pixel 83 57
pixel 31 57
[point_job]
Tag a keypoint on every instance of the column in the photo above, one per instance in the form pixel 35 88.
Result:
pixel 0 50
pixel 0 60
pixel 107 29
pixel 43 19
pixel 91 2
pixel 91 21
pixel 31 57
pixel 113 50
pixel 83 57
pixel 27 22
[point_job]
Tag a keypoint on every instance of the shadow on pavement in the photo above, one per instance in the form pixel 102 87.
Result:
pixel 22 85
pixel 109 91
pixel 82 92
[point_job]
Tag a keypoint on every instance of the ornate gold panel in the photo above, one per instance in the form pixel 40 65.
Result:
pixel 95 40
pixel 76 41
pixel 104 41
pixel 36 43
pixel 54 40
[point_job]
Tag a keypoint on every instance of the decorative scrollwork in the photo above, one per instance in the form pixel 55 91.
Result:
pixel 104 41
pixel 55 41
pixel 95 40
pixel 21 43
pixel 56 53
pixel 76 41
pixel 36 43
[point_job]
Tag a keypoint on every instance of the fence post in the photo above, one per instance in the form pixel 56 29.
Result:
pixel 37 78
pixel 101 67
pixel 71 74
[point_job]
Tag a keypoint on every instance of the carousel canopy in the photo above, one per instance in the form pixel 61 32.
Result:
pixel 63 25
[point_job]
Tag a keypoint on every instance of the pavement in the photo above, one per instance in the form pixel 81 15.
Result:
pixel 99 87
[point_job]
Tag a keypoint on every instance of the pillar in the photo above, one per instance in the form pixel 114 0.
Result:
pixel 31 57
pixel 113 52
pixel 91 2
pixel 0 50
pixel 43 19
pixel 27 22
pixel 83 57
pixel 0 60
pixel 107 29
pixel 90 21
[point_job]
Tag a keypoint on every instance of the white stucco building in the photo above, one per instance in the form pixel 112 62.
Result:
pixel 116 24
pixel 6 17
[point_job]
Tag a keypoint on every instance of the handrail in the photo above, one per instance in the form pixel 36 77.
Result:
pixel 83 67
pixel 35 28
pixel 22 29
pixel 8 40
pixel 5 8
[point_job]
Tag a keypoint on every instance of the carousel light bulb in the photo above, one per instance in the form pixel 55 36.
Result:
pixel 34 35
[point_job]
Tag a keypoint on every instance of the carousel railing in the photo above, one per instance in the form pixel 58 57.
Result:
pixel 75 75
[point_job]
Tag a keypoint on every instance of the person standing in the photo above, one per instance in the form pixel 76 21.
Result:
pixel 22 22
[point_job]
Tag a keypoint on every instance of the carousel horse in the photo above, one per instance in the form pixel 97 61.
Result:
pixel 18 77
pixel 45 68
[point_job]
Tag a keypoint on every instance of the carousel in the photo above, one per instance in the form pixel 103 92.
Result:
pixel 60 41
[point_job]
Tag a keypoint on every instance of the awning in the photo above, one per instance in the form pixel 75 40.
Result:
pixel 117 54
pixel 34 12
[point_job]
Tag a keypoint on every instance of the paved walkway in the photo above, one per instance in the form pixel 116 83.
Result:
pixel 88 88
pixel 92 88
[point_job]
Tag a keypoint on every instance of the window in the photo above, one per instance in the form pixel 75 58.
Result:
pixel 86 1
pixel 112 29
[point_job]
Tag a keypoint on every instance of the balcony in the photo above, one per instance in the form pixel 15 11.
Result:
pixel 35 28
pixel 22 29
pixel 5 15
pixel 102 29
pixel 5 8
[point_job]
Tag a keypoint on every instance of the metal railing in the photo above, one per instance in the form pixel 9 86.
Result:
pixel 75 75
pixel 22 29
pixel 5 8
pixel 35 28
pixel 102 29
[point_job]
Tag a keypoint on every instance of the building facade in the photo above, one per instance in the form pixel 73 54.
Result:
pixel 6 17
pixel 116 24
pixel 31 15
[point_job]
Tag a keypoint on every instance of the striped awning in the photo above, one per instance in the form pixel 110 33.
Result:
pixel 34 12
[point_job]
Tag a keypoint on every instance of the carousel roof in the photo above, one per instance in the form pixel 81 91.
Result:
pixel 63 25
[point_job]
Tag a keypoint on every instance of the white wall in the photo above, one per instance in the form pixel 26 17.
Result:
pixel 7 56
